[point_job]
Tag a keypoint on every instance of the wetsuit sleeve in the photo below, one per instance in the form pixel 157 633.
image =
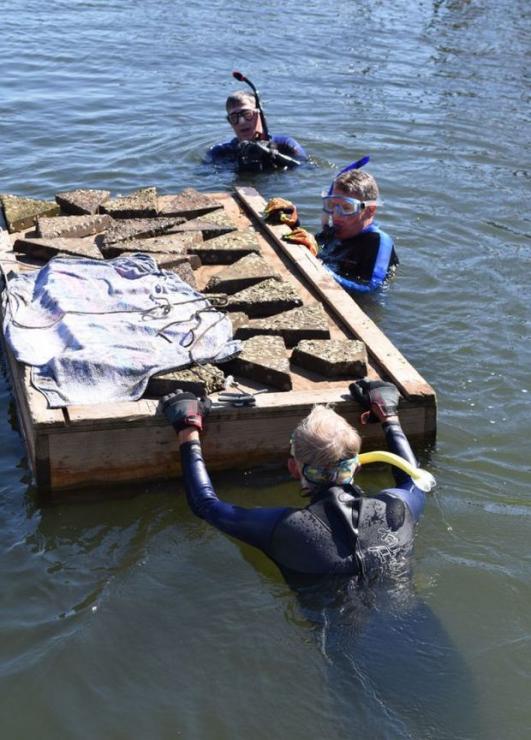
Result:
pixel 288 145
pixel 406 490
pixel 254 526
pixel 224 150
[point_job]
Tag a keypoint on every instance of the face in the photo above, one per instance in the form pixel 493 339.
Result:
pixel 347 226
pixel 245 130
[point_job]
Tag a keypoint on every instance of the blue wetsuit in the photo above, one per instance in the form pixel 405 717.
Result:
pixel 365 261
pixel 229 150
pixel 341 531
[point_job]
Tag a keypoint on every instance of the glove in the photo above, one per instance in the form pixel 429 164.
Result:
pixel 281 211
pixel 378 399
pixel 301 236
pixel 184 410
pixel 257 156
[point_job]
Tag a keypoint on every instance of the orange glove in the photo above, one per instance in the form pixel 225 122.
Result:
pixel 301 236
pixel 281 211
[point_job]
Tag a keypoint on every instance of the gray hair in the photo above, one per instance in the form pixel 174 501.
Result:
pixel 358 182
pixel 324 438
pixel 240 98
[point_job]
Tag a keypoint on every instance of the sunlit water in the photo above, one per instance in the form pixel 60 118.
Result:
pixel 131 618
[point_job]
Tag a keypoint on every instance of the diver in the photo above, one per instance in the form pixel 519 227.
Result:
pixel 341 531
pixel 359 254
pixel 253 148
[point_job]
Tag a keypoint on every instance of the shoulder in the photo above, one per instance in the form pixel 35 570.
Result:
pixel 223 149
pixel 289 145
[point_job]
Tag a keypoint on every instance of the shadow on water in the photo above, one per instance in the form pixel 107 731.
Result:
pixel 386 655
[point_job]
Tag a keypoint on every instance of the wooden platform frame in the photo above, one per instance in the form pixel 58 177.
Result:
pixel 117 443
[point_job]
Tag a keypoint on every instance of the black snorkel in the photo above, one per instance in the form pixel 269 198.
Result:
pixel 241 78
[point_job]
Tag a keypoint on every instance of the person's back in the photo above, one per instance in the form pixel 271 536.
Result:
pixel 340 531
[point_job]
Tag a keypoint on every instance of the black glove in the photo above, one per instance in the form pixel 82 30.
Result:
pixel 184 410
pixel 378 399
pixel 256 156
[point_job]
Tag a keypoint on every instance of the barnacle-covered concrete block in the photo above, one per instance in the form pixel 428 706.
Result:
pixel 45 249
pixel 265 360
pixel 22 213
pixel 70 227
pixel 247 271
pixel 81 202
pixel 190 203
pixel 140 204
pixel 306 322
pixel 332 358
pixel 265 299
pixel 199 379
pixel 227 248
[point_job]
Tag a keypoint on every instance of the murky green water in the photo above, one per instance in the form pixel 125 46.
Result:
pixel 133 619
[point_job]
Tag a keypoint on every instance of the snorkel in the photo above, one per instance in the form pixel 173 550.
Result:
pixel 421 478
pixel 241 78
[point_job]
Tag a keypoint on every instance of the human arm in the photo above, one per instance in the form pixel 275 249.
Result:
pixel 254 526
pixel 290 146
pixel 379 400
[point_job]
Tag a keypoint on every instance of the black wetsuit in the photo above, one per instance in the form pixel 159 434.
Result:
pixel 341 531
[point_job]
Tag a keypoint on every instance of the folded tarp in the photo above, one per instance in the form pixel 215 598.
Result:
pixel 96 331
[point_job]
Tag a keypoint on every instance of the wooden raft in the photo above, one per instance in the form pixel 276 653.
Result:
pixel 117 443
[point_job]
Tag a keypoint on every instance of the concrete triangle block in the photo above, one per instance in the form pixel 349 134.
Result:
pixel 265 360
pixel 227 248
pixel 82 202
pixel 247 271
pixel 306 322
pixel 190 203
pixel 332 358
pixel 70 227
pixel 265 299
pixel 22 213
pixel 45 249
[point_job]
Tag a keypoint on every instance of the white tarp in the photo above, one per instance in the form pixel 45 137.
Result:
pixel 95 331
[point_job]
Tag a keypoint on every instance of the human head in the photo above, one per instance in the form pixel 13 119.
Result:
pixel 362 186
pixel 322 440
pixel 237 102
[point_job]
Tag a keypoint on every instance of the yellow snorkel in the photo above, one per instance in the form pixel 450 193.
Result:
pixel 422 479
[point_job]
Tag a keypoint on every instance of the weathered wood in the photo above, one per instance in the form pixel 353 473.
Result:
pixel 347 311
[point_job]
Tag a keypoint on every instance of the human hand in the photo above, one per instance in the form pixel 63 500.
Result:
pixel 301 236
pixel 281 211
pixel 183 410
pixel 378 399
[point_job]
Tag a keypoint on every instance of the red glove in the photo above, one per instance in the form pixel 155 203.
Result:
pixel 301 236
pixel 281 211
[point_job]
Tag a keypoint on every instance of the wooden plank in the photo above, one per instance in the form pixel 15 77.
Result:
pixel 395 365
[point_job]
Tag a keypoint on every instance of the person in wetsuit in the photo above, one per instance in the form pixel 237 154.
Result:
pixel 252 148
pixel 351 244
pixel 341 531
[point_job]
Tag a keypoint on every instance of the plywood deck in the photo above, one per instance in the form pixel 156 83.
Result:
pixel 99 445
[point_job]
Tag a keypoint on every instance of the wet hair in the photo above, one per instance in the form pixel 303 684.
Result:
pixel 324 438
pixel 358 182
pixel 240 98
